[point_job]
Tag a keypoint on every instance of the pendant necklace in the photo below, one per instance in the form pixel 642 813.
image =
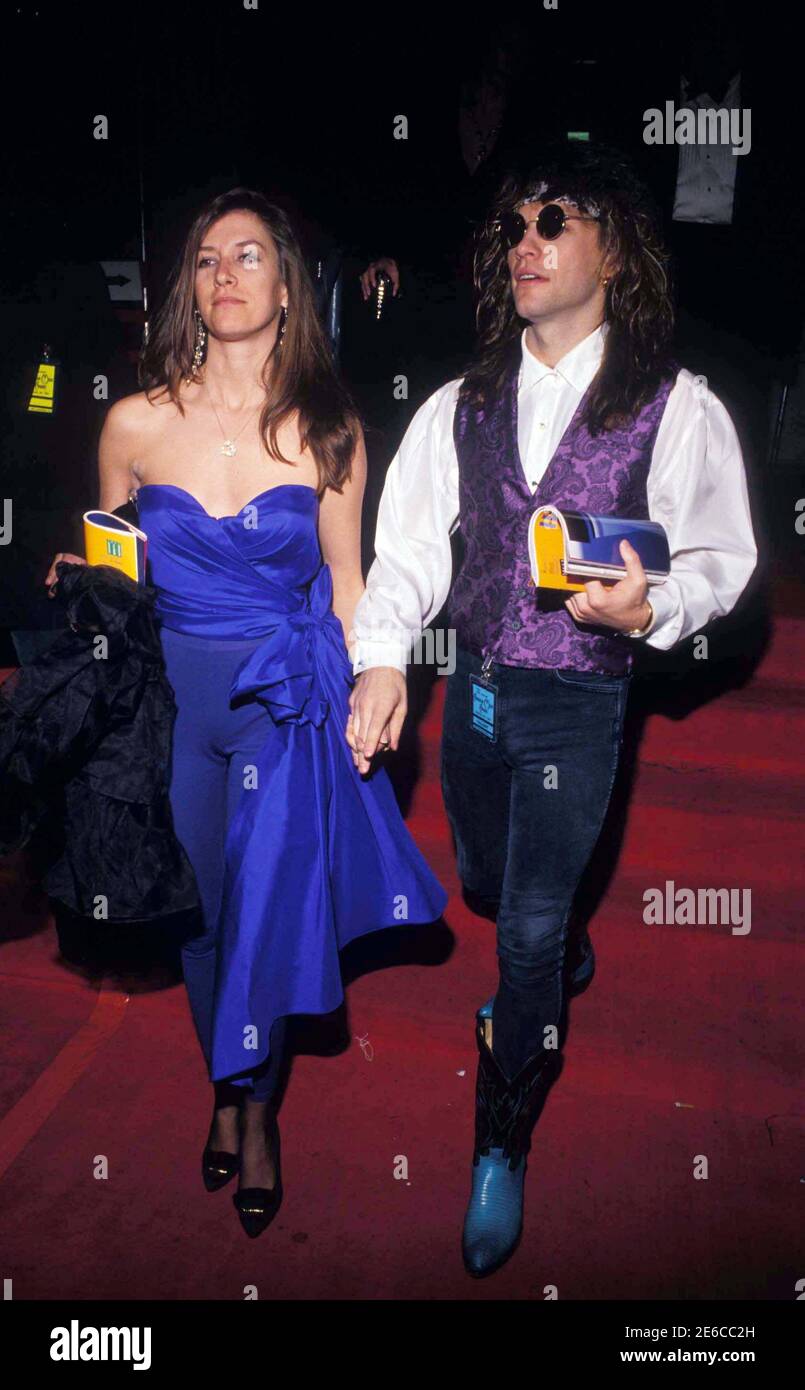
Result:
pixel 229 446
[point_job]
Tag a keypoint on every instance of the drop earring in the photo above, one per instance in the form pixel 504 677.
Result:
pixel 283 325
pixel 199 348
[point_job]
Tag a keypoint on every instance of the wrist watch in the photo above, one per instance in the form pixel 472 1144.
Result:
pixel 643 631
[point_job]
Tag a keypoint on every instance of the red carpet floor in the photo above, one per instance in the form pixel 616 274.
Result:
pixel 686 1045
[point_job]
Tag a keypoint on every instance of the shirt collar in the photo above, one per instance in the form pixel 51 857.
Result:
pixel 577 367
pixel 703 100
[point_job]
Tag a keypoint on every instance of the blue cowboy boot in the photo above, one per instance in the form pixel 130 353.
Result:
pixel 505 1114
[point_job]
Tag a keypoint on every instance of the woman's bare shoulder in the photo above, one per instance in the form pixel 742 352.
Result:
pixel 138 412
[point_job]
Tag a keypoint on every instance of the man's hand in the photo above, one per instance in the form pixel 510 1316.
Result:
pixel 378 706
pixel 369 277
pixel 623 605
pixel 52 578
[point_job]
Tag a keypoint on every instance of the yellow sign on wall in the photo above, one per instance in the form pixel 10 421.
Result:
pixel 43 396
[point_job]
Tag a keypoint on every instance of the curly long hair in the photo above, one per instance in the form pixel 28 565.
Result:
pixel 299 377
pixel 638 305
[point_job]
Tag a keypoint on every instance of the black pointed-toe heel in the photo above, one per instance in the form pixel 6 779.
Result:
pixel 218 1168
pixel 257 1206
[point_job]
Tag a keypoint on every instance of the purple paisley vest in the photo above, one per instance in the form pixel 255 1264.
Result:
pixel 492 604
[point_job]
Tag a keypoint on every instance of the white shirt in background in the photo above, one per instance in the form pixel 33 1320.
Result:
pixel 705 180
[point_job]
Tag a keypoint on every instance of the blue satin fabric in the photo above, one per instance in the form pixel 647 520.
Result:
pixel 316 854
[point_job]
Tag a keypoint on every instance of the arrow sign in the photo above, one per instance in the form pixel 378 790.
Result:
pixel 123 280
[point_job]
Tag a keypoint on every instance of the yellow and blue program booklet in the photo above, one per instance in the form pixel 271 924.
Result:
pixel 109 540
pixel 567 549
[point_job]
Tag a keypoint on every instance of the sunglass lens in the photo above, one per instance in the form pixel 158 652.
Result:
pixel 551 221
pixel 512 229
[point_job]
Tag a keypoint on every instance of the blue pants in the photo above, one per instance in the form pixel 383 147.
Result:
pixel 526 812
pixel 211 745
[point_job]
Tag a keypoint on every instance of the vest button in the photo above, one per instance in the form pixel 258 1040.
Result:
pixel 515 624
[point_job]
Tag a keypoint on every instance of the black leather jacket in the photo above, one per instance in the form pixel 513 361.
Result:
pixel 85 748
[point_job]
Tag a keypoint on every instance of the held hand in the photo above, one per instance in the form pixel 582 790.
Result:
pixel 369 277
pixel 378 706
pixel 51 578
pixel 622 606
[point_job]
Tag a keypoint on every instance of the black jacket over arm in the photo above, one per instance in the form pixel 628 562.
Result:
pixel 85 749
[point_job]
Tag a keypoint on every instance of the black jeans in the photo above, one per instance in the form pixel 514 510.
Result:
pixel 526 812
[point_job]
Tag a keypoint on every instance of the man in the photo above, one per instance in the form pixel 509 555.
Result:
pixel 583 408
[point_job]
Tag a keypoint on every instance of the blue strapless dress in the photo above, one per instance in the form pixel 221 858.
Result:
pixel 321 855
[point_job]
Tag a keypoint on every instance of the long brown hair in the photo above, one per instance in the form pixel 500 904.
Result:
pixel 299 376
pixel 638 306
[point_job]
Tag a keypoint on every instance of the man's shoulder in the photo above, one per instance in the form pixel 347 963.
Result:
pixel 444 398
pixel 694 411
pixel 437 410
pixel 693 391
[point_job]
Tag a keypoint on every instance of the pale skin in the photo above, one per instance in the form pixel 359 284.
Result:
pixel 562 308
pixel 368 280
pixel 240 295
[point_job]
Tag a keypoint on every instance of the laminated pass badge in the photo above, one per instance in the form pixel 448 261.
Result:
pixel 42 400
pixel 484 703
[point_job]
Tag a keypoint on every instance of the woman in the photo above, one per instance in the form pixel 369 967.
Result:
pixel 249 467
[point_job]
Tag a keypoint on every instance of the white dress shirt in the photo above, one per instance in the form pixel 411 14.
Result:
pixel 705 181
pixel 696 489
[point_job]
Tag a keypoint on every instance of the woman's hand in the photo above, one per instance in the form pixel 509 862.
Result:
pixel 369 278
pixel 378 705
pixel 52 578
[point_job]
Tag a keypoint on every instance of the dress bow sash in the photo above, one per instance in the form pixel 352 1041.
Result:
pixel 302 654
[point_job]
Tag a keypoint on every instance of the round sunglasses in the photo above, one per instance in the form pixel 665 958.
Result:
pixel 550 223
